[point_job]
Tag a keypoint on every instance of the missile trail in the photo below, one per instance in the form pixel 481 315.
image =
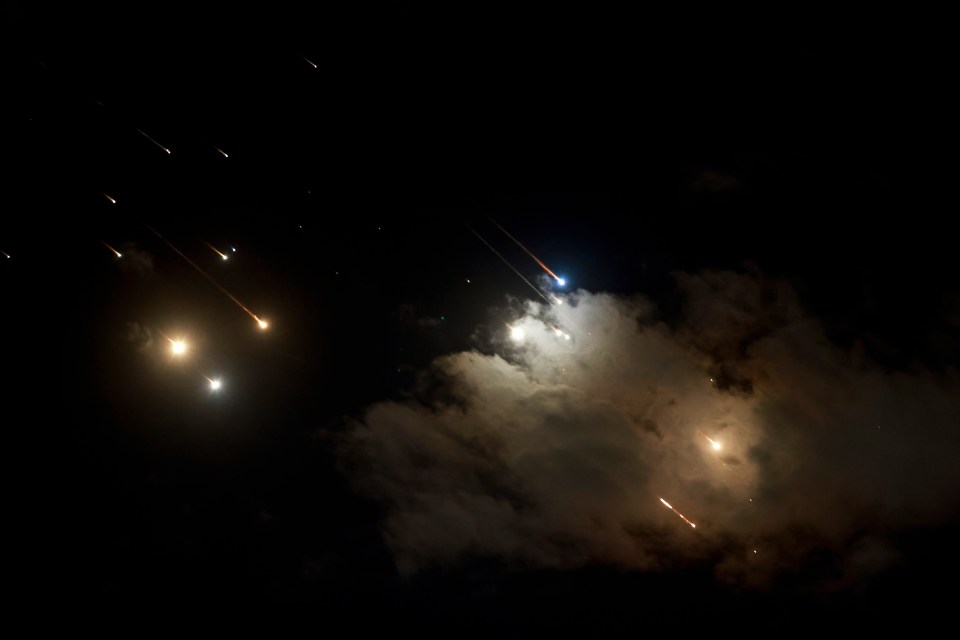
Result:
pixel 261 323
pixel 6 254
pixel 683 517
pixel 118 254
pixel 714 444
pixel 223 256
pixel 529 253
pixel 222 152
pixel 522 277
pixel 112 201
pixel 507 262
pixel 153 141
pixel 309 62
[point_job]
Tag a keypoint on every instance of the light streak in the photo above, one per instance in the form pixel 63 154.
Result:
pixel 223 256
pixel 507 262
pixel 559 280
pixel 153 141
pixel 262 324
pixel 714 444
pixel 683 517
pixel 117 253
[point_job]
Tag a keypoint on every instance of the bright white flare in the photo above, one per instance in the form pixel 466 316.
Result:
pixel 517 334
pixel 263 324
pixel 561 281
pixel 215 384
pixel 178 347
pixel 715 445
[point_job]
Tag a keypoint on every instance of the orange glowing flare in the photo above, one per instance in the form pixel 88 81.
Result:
pixel 222 255
pixel 714 444
pixel 559 280
pixel 261 323
pixel 682 517
pixel 115 252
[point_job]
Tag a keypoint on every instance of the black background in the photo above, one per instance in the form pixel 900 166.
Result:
pixel 590 135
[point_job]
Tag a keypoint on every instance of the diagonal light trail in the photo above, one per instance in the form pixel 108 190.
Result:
pixel 529 253
pixel 260 323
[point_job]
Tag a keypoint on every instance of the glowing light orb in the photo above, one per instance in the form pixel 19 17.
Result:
pixel 263 324
pixel 224 256
pixel 178 347
pixel 716 446
pixel 562 281
pixel 517 334
pixel 215 384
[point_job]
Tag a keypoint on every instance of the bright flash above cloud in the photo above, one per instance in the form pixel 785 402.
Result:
pixel 561 449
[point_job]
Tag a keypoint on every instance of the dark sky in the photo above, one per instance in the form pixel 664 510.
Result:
pixel 753 227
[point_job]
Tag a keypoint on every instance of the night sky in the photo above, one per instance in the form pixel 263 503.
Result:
pixel 760 323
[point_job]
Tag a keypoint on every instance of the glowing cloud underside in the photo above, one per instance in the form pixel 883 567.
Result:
pixel 554 453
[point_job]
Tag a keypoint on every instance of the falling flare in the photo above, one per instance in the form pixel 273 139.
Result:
pixel 153 141
pixel 517 334
pixel 261 323
pixel 714 444
pixel 177 347
pixel 309 62
pixel 117 253
pixel 560 281
pixel 8 255
pixel 222 152
pixel 112 201
pixel 222 255
pixel 507 262
pixel 683 517
pixel 215 383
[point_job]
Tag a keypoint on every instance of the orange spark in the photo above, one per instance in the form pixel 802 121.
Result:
pixel 682 517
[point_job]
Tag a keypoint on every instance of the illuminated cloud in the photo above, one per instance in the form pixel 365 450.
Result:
pixel 555 452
